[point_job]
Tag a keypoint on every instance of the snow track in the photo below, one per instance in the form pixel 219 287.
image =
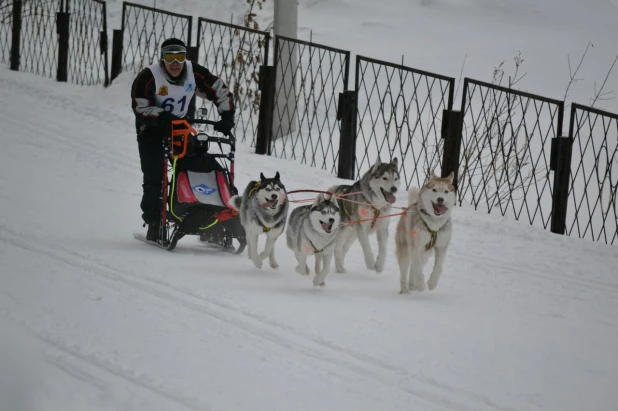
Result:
pixel 521 320
pixel 435 395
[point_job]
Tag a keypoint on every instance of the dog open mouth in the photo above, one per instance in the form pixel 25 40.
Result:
pixel 439 209
pixel 272 204
pixel 388 196
pixel 328 227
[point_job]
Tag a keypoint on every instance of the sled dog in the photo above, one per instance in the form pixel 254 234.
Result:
pixel 263 209
pixel 425 229
pixel 312 230
pixel 376 187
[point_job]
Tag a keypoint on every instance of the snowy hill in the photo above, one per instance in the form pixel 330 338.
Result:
pixel 522 320
pixel 456 38
pixel 93 320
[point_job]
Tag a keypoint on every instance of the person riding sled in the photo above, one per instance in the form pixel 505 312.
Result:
pixel 161 93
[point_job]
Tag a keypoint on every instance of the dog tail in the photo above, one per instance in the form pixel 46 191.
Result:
pixel 413 195
pixel 236 201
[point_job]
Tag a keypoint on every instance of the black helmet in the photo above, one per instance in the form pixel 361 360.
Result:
pixel 173 45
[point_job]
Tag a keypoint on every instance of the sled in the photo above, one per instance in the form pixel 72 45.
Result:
pixel 197 187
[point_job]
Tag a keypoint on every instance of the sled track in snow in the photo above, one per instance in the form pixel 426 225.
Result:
pixel 439 395
pixel 76 364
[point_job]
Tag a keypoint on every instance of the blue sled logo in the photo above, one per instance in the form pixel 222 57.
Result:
pixel 204 189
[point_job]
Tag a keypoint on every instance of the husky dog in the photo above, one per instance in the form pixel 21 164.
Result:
pixel 263 210
pixel 425 229
pixel 313 230
pixel 376 187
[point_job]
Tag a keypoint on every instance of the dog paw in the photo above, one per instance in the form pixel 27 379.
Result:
pixel 257 261
pixel 404 290
pixel 318 285
pixel 273 264
pixel 417 287
pixel 431 285
pixel 370 263
pixel 302 270
pixel 379 265
pixel 341 270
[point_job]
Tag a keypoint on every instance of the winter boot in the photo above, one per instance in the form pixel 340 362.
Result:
pixel 153 232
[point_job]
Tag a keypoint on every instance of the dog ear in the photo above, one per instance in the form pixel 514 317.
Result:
pixel 451 177
pixel 277 176
pixel 378 160
pixel 262 177
pixel 395 162
pixel 319 199
pixel 433 174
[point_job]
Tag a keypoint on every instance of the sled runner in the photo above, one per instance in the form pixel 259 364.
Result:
pixel 197 187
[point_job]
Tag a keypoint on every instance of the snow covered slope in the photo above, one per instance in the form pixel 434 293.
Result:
pixel 522 319
pixel 456 38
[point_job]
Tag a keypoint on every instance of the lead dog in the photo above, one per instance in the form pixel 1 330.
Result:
pixel 426 229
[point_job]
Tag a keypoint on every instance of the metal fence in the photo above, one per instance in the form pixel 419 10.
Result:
pixel 88 63
pixel 39 38
pixel 144 29
pixel 235 54
pixel 308 80
pixel 399 115
pixel 506 147
pixel 6 23
pixel 593 197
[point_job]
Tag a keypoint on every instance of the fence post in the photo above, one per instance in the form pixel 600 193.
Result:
pixel 16 35
pixel 116 54
pixel 560 164
pixel 62 28
pixel 347 138
pixel 267 103
pixel 452 135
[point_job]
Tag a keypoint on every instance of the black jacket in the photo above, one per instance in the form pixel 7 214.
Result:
pixel 143 92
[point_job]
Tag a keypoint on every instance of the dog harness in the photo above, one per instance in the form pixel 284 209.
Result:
pixel 255 187
pixel 434 234
pixel 315 250
pixel 376 213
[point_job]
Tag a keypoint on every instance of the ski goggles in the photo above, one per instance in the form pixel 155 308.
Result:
pixel 169 58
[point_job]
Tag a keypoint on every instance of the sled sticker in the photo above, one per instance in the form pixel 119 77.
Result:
pixel 204 189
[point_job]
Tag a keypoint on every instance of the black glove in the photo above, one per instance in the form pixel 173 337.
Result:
pixel 166 117
pixel 226 124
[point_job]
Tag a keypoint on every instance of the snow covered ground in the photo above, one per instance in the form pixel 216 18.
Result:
pixel 90 319
pixel 522 319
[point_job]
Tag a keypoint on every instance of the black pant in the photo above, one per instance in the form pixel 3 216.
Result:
pixel 151 156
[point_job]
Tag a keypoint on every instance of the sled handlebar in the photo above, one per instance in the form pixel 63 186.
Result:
pixel 182 128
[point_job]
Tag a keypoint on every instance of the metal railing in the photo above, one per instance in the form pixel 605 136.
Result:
pixel 308 80
pixel 506 147
pixel 39 38
pixel 144 29
pixel 88 63
pixel 593 197
pixel 6 23
pixel 235 54
pixel 400 115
